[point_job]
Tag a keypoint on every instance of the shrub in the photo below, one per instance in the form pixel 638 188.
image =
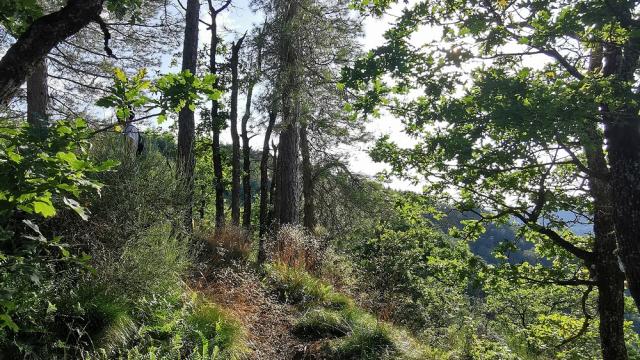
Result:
pixel 42 172
pixel 229 243
pixel 295 247
pixel 416 276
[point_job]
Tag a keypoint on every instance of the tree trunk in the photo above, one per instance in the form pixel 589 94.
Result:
pixel 287 174
pixel 309 220
pixel 217 122
pixel 235 139
pixel 246 162
pixel 219 180
pixel 609 278
pixel 186 122
pixel 43 35
pixel 622 132
pixel 38 96
pixel 264 187
pixel 273 191
pixel 623 140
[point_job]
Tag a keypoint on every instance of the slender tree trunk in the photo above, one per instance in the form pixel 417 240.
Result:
pixel 309 220
pixel 217 123
pixel 186 122
pixel 38 96
pixel 609 278
pixel 287 174
pixel 264 187
pixel 246 162
pixel 219 180
pixel 42 36
pixel 273 191
pixel 235 139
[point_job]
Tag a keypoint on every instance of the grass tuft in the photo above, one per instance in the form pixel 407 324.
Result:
pixel 215 331
pixel 350 332
pixel 297 286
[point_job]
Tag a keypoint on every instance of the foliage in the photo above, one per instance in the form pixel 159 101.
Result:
pixel 511 141
pixel 17 15
pixel 414 273
pixel 218 331
pixel 41 170
pixel 173 92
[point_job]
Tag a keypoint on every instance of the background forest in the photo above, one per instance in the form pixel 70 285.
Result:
pixel 187 179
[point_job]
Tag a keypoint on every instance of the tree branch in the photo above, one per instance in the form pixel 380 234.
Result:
pixel 106 34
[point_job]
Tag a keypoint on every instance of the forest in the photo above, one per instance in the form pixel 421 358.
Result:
pixel 320 179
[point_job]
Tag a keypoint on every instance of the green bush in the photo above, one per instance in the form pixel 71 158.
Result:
pixel 43 171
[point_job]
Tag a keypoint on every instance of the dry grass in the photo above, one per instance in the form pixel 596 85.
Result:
pixel 228 243
pixel 296 248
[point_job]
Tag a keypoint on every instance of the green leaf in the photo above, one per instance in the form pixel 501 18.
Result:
pixel 44 207
pixel 6 321
pixel 75 206
pixel 120 75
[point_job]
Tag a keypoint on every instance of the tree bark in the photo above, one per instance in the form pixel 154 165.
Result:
pixel 246 162
pixel 43 35
pixel 217 123
pixel 309 220
pixel 273 191
pixel 622 133
pixel 186 122
pixel 287 174
pixel 264 187
pixel 235 139
pixel 609 278
pixel 38 96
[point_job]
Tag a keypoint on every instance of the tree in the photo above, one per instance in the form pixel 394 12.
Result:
pixel 235 139
pixel 264 185
pixel 37 95
pixel 516 142
pixel 217 120
pixel 309 211
pixel 583 27
pixel 45 32
pixel 253 76
pixel 287 170
pixel 186 121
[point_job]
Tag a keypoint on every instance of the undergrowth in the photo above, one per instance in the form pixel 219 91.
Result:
pixel 347 331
